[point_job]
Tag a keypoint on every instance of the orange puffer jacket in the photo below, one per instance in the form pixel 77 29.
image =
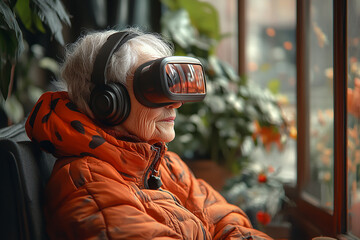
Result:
pixel 105 188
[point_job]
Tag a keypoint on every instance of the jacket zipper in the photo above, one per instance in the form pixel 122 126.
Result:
pixel 151 172
pixel 181 206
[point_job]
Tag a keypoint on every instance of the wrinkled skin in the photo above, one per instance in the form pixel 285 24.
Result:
pixel 150 124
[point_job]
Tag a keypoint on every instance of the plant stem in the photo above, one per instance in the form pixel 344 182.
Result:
pixel 11 83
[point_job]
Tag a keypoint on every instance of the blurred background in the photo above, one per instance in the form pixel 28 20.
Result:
pixel 277 133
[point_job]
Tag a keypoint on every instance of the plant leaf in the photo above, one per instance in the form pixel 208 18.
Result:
pixel 9 23
pixel 30 20
pixel 203 16
pixel 5 73
pixel 52 13
pixel 171 4
pixel 199 28
pixel 11 45
pixel 23 11
pixel 177 25
pixel 38 24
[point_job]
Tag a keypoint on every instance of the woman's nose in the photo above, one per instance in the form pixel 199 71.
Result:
pixel 175 105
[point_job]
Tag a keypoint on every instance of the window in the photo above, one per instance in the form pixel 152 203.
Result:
pixel 327 165
pixel 319 180
pixel 270 62
pixel 227 12
pixel 353 118
pixel 319 74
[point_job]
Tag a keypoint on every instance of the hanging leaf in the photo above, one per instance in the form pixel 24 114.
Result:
pixel 30 20
pixel 11 46
pixel 10 27
pixel 203 16
pixel 52 13
pixel 203 20
pixel 177 25
pixel 5 74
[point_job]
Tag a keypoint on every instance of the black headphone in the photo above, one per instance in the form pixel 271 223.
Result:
pixel 109 102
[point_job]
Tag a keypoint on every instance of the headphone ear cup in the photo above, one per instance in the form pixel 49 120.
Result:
pixel 110 103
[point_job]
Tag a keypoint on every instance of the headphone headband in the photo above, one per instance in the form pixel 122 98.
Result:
pixel 113 42
pixel 109 102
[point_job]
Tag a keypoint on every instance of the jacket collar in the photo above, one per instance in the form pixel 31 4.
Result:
pixel 61 129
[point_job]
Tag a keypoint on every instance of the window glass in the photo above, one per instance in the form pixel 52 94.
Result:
pixel 271 64
pixel 353 108
pixel 227 48
pixel 319 186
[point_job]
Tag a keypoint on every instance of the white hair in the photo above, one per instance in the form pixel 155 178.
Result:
pixel 80 56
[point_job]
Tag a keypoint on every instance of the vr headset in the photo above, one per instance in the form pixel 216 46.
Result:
pixel 156 83
pixel 167 80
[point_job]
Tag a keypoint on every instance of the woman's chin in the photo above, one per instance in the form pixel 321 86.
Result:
pixel 163 138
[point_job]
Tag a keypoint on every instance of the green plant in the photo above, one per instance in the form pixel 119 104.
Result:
pixel 29 15
pixel 235 114
pixel 259 192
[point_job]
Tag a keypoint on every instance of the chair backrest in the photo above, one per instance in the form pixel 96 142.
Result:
pixel 24 172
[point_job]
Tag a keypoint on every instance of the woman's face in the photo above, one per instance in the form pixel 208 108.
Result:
pixel 150 124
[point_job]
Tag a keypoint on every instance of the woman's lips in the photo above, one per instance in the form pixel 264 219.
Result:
pixel 169 119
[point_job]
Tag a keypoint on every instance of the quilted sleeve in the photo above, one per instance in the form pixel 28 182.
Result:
pixel 223 220
pixel 87 205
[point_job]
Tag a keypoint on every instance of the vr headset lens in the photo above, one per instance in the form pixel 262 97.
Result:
pixel 171 79
pixel 185 78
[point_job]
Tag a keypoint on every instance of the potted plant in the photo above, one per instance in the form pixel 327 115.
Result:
pixel 235 114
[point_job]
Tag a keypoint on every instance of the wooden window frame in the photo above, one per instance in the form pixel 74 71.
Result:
pixel 313 220
pixel 307 217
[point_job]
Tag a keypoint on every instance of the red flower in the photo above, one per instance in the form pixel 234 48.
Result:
pixel 263 217
pixel 262 178
pixel 268 136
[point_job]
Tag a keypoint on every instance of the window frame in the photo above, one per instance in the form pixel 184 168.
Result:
pixel 313 220
pixel 307 218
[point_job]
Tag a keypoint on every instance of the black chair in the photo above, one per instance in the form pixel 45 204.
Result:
pixel 24 172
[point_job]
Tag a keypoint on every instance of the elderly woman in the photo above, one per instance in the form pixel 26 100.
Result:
pixel 114 178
